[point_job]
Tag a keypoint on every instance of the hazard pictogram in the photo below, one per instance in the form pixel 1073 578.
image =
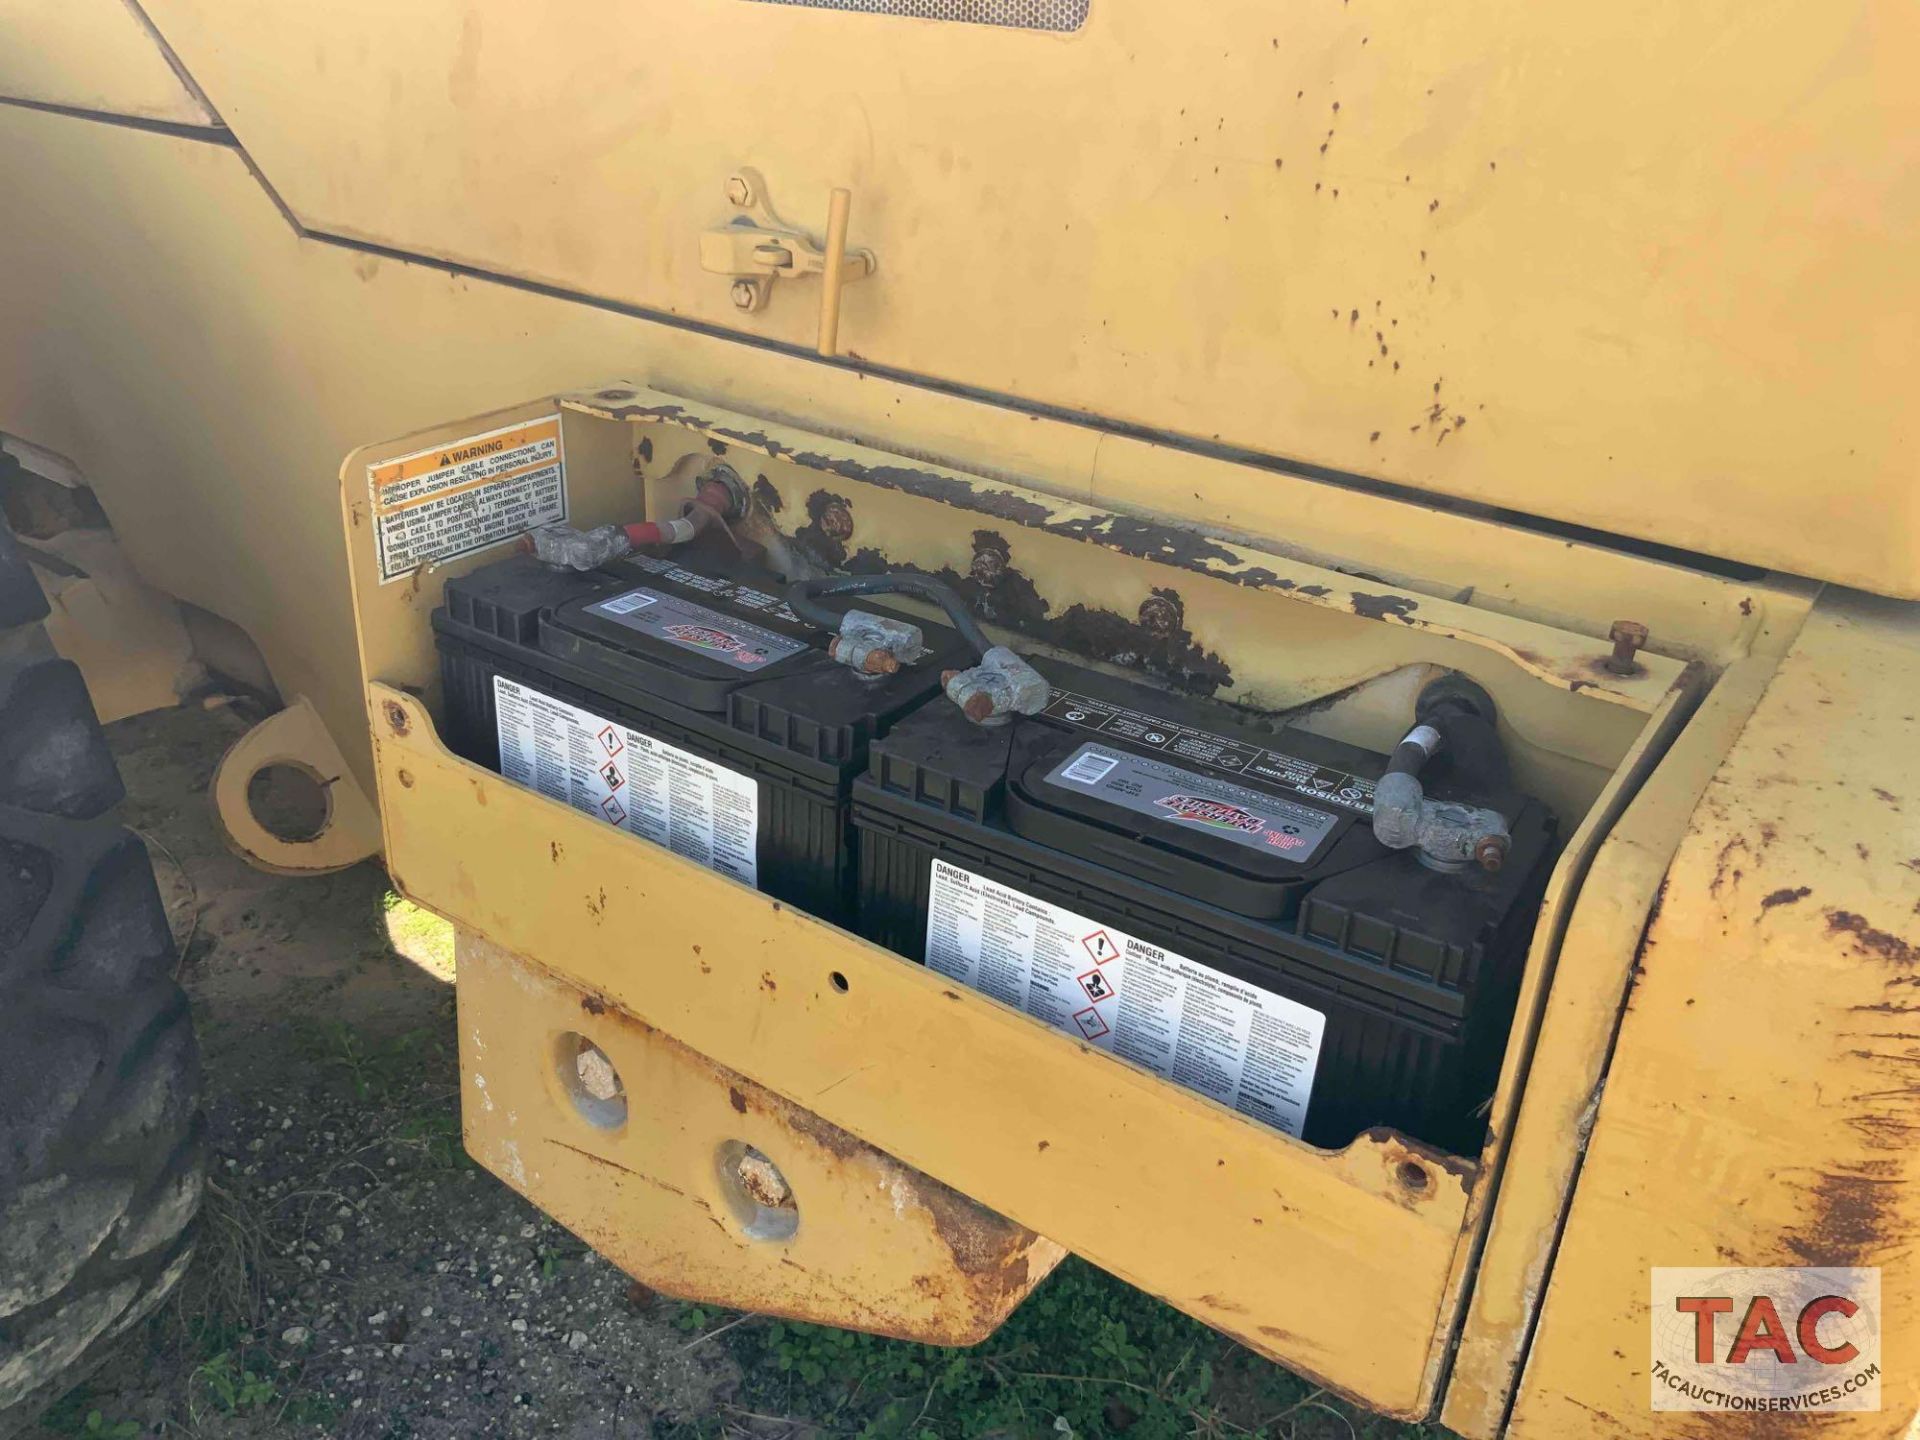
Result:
pixel 1099 945
pixel 1094 982
pixel 609 739
pixel 613 810
pixel 610 772
pixel 1090 1023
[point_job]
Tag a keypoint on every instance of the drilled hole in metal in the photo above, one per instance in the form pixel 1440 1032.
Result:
pixel 756 1192
pixel 290 801
pixel 590 1081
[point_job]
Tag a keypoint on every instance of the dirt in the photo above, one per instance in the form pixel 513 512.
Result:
pixel 357 1276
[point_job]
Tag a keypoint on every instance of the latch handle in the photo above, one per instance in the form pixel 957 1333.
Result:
pixel 757 248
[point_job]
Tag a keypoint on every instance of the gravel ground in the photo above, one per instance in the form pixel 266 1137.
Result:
pixel 358 1276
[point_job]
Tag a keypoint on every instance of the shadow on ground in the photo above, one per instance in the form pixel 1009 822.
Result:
pixel 358 1276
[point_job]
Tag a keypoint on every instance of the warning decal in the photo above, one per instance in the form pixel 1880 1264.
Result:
pixel 692 806
pixel 1184 1021
pixel 455 499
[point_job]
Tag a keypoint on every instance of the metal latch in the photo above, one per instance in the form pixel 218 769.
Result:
pixel 758 247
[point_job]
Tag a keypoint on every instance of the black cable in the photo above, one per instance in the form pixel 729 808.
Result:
pixel 803 599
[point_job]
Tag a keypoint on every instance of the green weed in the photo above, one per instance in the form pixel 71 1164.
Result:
pixel 1086 1355
pixel 232 1386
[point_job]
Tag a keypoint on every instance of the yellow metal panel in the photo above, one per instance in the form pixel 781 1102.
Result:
pixel 877 1244
pixel 1610 265
pixel 97 55
pixel 1582 992
pixel 1334 1262
pixel 209 391
pixel 1760 1108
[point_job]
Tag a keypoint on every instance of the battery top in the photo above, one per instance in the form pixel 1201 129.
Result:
pixel 1162 789
pixel 700 633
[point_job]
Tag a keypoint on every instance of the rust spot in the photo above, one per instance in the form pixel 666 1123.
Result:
pixel 645 447
pixel 593 1004
pixel 406 779
pixel 597 906
pixel 1401 1151
pixel 1855 1215
pixel 718 447
pixel 737 1100
pixel 1869 942
pixel 765 497
pixel 1746 604
pixel 766 982
pixel 829 526
pixel 1724 872
pixel 1786 897
pixel 1045 1145
pixel 1887 797
pixel 555 850
pixel 396 714
pixel 1220 1302
pixel 1862 851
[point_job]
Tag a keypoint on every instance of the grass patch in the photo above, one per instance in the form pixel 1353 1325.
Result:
pixel 1086 1355
pixel 420 935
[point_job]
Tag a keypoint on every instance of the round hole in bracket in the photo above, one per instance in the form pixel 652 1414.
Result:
pixel 756 1192
pixel 1412 1174
pixel 590 1081
pixel 290 801
pixel 839 982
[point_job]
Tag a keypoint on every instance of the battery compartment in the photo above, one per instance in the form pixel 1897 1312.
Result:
pixel 1255 636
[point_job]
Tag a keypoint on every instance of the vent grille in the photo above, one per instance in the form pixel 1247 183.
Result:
pixel 1013 14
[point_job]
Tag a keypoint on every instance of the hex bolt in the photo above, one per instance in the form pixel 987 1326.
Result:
pixel 739 191
pixel 1491 853
pixel 1627 637
pixel 744 294
pixel 396 714
pixel 836 520
pixel 988 566
pixel 1160 615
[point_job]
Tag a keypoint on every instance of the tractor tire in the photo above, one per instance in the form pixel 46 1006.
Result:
pixel 102 1146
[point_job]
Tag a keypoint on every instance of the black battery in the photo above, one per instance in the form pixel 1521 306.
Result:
pixel 676 698
pixel 1205 897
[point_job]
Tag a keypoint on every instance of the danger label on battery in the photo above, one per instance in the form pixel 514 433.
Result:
pixel 1184 1021
pixel 455 499
pixel 657 791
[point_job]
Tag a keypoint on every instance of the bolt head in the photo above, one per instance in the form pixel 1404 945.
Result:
pixel 836 521
pixel 739 192
pixel 744 294
pixel 988 566
pixel 1159 615
pixel 1630 632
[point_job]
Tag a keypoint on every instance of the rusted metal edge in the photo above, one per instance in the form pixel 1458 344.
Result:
pixel 1531 646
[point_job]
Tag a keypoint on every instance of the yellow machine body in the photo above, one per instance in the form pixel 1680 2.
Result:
pixel 1390 342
